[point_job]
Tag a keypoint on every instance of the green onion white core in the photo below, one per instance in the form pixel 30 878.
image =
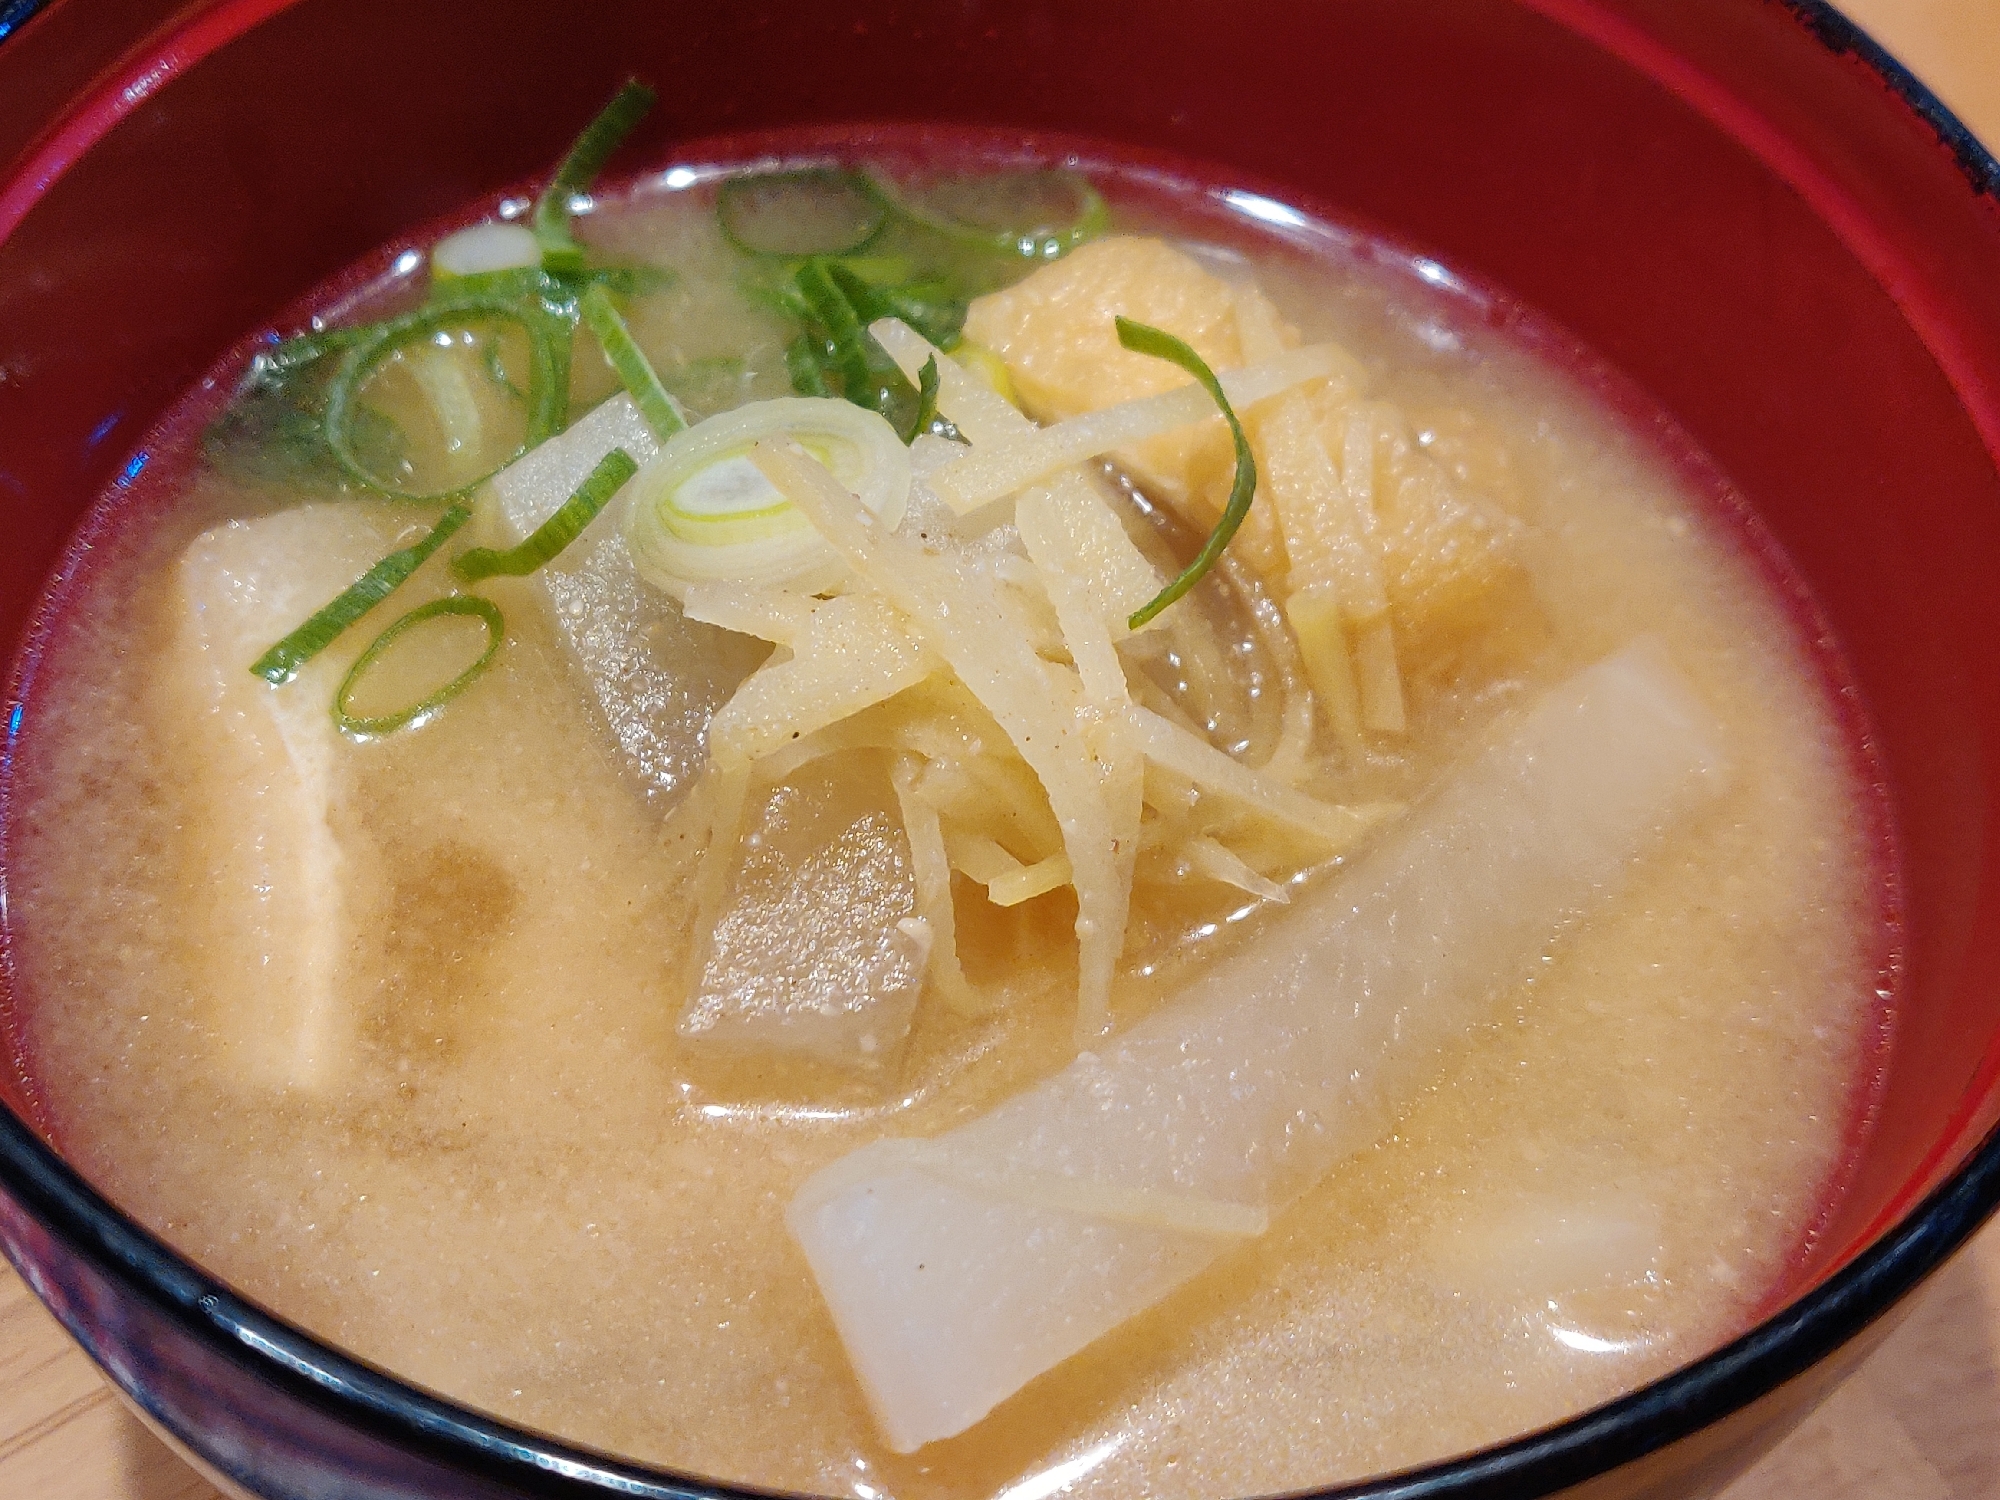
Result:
pixel 484 249
pixel 701 512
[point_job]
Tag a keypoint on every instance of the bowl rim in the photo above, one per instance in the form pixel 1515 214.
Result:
pixel 1780 1348
pixel 14 14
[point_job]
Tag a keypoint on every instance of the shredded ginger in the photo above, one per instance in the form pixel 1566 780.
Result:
pixel 978 635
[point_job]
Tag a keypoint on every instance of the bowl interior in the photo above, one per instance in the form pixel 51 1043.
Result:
pixel 1736 214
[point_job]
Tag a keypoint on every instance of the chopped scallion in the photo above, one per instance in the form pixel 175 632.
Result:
pixel 548 381
pixel 482 249
pixel 926 306
pixel 840 305
pixel 1141 339
pixel 790 214
pixel 282 662
pixel 631 280
pixel 806 365
pixel 927 398
pixel 558 531
pixel 279 363
pixel 630 361
pixel 818 280
pixel 484 610
pixel 1036 214
pixel 561 254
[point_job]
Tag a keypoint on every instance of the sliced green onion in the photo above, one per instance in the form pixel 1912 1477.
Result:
pixel 805 363
pixel 787 215
pixel 558 531
pixel 782 298
pixel 702 512
pixel 1036 214
pixel 561 254
pixel 1141 339
pixel 927 306
pixel 496 372
pixel 632 280
pixel 818 281
pixel 557 295
pixel 842 305
pixel 548 384
pixel 483 249
pixel 417 713
pixel 879 270
pixel 279 363
pixel 630 361
pixel 928 419
pixel 282 662
pixel 927 398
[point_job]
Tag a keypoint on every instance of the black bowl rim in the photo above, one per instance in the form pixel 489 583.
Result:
pixel 373 1402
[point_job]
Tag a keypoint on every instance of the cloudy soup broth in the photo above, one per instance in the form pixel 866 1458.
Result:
pixel 1419 985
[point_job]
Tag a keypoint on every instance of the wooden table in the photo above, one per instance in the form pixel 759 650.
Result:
pixel 1921 1421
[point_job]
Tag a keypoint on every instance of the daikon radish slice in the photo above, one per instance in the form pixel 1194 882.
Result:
pixel 273 923
pixel 950 1295
pixel 657 675
pixel 531 489
pixel 819 950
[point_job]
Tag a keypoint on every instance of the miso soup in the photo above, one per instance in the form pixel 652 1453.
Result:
pixel 1420 982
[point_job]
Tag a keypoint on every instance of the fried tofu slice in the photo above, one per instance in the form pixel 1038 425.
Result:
pixel 1451 559
pixel 274 928
pixel 1056 331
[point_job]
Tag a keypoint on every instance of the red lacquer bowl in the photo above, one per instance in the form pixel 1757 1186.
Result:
pixel 1742 205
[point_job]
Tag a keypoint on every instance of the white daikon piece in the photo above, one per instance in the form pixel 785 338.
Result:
pixel 953 1271
pixel 274 920
pixel 657 676
pixel 820 951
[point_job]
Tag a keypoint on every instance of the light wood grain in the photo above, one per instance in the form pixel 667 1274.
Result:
pixel 1920 1421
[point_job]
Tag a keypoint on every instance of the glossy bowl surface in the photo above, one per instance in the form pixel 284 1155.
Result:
pixel 1740 204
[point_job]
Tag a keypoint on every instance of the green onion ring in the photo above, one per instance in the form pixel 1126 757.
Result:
pixel 418 712
pixel 561 254
pixel 287 357
pixel 1141 339
pixel 629 360
pixel 282 662
pixel 1030 241
pixel 928 381
pixel 844 328
pixel 548 383
pixel 558 531
pixel 807 367
pixel 736 206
